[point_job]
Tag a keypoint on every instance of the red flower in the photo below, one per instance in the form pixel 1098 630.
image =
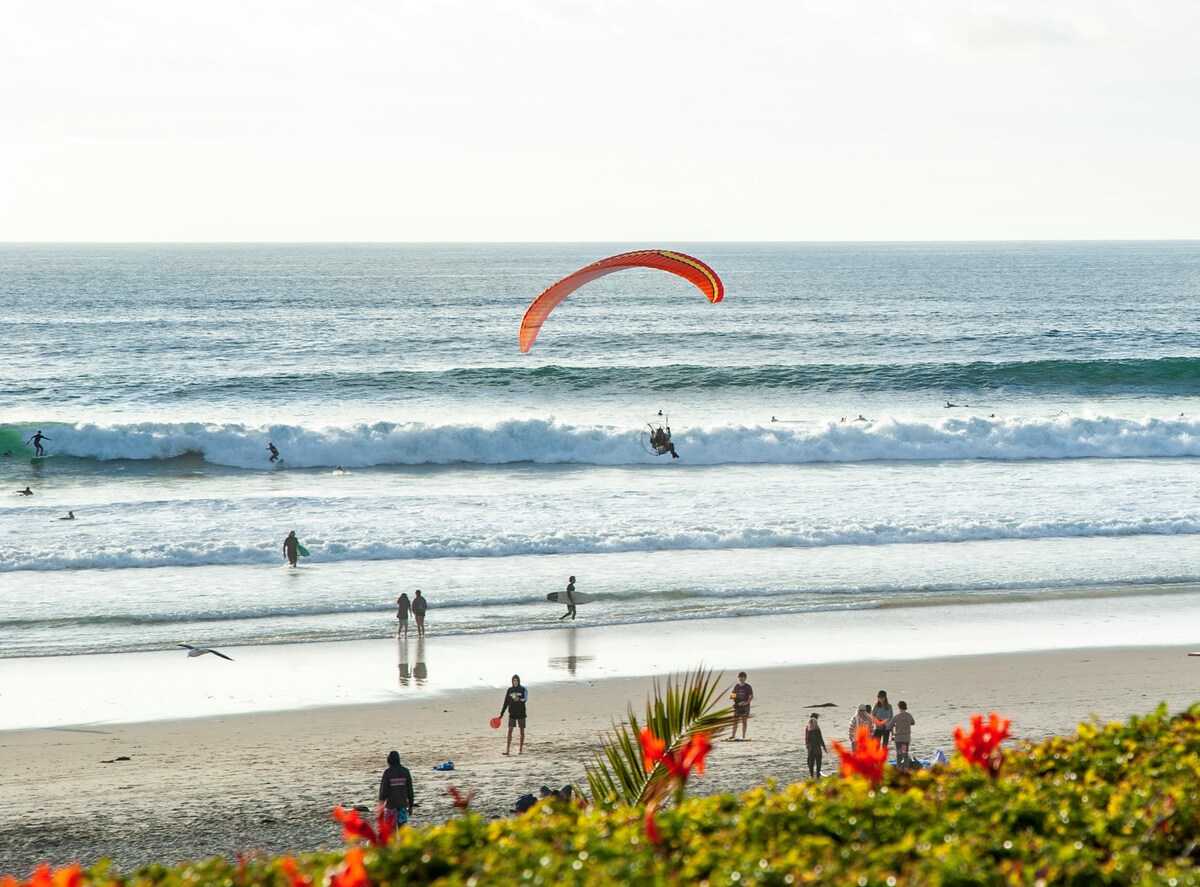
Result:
pixel 354 828
pixel 293 872
pixel 653 835
pixel 44 876
pixel 679 763
pixel 352 873
pixel 981 746
pixel 461 801
pixel 867 759
pixel 653 748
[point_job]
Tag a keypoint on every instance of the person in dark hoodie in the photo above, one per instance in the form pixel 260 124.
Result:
pixel 515 698
pixel 395 793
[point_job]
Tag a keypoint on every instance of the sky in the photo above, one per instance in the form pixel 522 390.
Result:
pixel 633 121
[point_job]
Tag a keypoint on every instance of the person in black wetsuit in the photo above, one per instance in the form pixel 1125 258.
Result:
pixel 291 548
pixel 36 440
pixel 569 600
pixel 395 793
pixel 515 698
pixel 271 448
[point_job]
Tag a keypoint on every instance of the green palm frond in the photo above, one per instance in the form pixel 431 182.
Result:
pixel 687 707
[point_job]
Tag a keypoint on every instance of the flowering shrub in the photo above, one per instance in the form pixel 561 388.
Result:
pixel 1114 805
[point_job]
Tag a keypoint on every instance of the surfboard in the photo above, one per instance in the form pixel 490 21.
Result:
pixel 560 597
pixel 301 550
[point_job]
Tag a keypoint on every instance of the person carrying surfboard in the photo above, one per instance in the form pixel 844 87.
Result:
pixel 291 548
pixel 569 600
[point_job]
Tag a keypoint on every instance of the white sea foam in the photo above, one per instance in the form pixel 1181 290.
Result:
pixel 549 442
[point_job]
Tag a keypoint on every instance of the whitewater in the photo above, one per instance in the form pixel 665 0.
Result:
pixel 862 428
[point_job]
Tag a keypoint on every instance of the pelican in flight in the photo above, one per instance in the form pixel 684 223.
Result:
pixel 200 651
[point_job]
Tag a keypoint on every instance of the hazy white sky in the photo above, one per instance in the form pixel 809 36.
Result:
pixel 615 120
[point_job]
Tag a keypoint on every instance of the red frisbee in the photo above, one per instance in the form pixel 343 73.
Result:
pixel 495 722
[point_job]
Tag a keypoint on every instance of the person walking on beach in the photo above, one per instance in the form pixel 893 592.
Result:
pixel 515 698
pixel 36 440
pixel 273 451
pixel 815 743
pixel 395 793
pixel 861 718
pixel 291 548
pixel 402 608
pixel 742 695
pixel 570 600
pixel 419 606
pixel 902 725
pixel 881 718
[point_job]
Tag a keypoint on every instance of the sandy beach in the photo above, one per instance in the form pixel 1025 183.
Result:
pixel 170 790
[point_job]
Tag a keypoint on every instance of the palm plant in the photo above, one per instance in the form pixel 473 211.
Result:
pixel 686 708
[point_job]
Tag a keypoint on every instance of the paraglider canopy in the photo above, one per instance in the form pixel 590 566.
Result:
pixel 690 269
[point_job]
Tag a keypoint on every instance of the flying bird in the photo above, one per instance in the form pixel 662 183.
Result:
pixel 200 651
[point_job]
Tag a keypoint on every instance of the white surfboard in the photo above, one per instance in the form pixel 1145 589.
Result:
pixel 560 597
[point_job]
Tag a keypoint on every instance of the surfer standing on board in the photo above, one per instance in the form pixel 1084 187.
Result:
pixel 291 548
pixel 569 600
pixel 36 440
pixel 274 456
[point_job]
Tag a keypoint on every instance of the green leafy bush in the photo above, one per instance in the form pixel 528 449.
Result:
pixel 1118 804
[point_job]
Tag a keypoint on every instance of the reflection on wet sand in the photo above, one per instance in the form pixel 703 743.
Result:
pixel 402 653
pixel 572 660
pixel 420 672
pixel 417 671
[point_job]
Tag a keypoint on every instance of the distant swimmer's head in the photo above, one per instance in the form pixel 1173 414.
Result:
pixel 393 758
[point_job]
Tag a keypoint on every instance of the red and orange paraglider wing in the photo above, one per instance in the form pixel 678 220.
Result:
pixel 690 269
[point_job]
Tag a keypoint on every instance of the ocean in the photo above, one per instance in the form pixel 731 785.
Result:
pixel 861 427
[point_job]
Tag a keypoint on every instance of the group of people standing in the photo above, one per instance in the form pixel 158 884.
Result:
pixel 881 720
pixel 417 606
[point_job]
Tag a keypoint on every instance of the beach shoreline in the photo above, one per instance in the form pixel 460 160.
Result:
pixel 169 790
pixel 98 690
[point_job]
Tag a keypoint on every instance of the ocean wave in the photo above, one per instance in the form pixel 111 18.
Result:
pixel 71 555
pixel 549 442
pixel 1061 379
pixel 1065 377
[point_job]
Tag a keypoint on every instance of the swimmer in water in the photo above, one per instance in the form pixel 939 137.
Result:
pixel 70 516
pixel 24 492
